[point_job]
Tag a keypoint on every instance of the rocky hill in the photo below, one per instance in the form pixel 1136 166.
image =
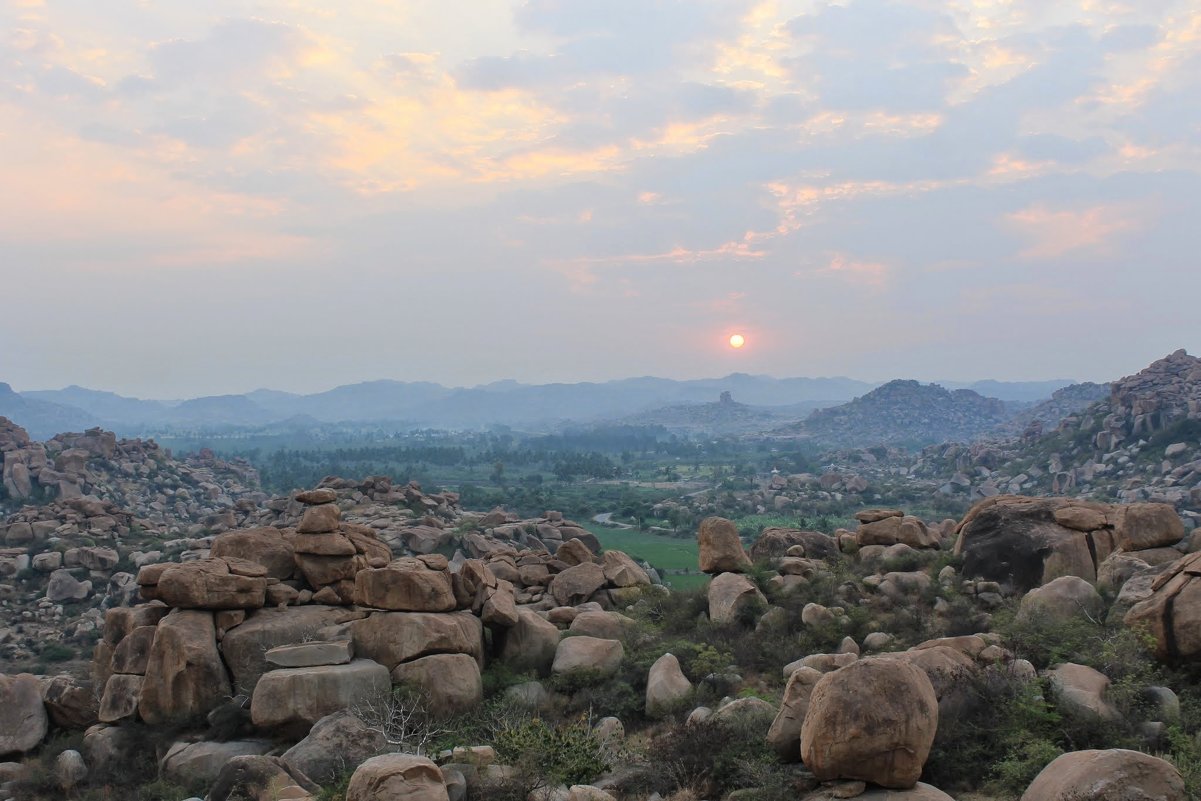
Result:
pixel 1141 442
pixel 904 413
pixel 1046 416
pixel 134 475
pixel 726 416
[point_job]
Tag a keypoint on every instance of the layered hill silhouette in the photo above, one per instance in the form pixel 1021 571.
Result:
pixel 425 404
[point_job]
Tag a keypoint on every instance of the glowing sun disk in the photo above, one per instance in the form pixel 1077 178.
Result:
pixel 737 340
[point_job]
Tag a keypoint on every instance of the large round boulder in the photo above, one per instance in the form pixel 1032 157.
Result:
pixel 397 776
pixel 874 720
pixel 1112 775
pixel 1018 541
pixel 1063 600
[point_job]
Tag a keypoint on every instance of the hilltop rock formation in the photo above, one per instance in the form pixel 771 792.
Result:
pixel 904 413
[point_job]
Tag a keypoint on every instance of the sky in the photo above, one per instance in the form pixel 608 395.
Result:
pixel 200 198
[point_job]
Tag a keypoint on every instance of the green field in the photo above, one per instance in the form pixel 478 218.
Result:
pixel 668 554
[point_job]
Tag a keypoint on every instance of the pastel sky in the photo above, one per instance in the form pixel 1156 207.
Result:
pixel 207 197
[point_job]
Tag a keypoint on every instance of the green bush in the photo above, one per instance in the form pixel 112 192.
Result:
pixel 567 753
pixel 56 652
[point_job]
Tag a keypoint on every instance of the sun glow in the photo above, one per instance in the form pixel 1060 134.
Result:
pixel 737 341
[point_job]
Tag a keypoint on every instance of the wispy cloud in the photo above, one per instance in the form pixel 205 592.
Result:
pixel 1053 233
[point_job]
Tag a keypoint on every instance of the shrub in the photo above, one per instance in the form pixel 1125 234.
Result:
pixel 714 757
pixel 56 652
pixel 547 754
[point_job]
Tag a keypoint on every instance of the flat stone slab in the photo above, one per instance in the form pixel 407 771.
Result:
pixel 311 654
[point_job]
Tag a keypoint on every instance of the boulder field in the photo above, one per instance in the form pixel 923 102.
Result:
pixel 314 651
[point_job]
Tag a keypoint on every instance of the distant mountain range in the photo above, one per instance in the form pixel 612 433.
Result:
pixel 403 404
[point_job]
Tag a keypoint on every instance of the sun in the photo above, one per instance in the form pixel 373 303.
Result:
pixel 737 341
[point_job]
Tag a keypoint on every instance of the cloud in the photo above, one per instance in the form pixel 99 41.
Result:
pixel 235 49
pixel 595 160
pixel 875 54
pixel 1055 233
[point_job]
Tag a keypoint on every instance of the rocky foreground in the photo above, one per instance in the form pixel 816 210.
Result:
pixel 370 642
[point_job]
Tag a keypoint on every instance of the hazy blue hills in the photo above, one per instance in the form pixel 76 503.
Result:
pixel 424 404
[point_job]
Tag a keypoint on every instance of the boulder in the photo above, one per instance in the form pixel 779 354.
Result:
pixel 266 546
pixel 575 585
pixel 1172 612
pixel 774 543
pixel 606 625
pixel 260 778
pixel 394 637
pixel 449 683
pixel 1017 541
pixel 121 620
pixel 531 644
pixel 1140 526
pixel 874 720
pixel 405 589
pixel 245 646
pixel 296 698
pixel 335 742
pixel 1112 775
pixel 893 530
pixel 185 676
pixel 397 776
pixel 1065 599
pixel 622 571
pixel 70 770
pixel 311 654
pixel 23 720
pixel 209 584
pixel 949 670
pixel 729 594
pixel 1081 690
pixel 666 687
pixel 132 654
pixel 784 736
pixel 120 699
pixel 588 653
pixel 573 552
pixel 70 704
pixel 319 519
pixel 499 607
pixel 65 587
pixel 1082 517
pixel 721 548
pixel 314 497
pixel 191 763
